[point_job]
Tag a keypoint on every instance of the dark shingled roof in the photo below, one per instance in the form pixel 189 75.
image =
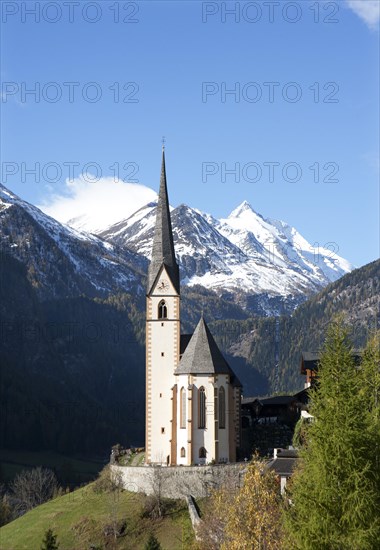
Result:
pixel 283 466
pixel 310 359
pixel 163 245
pixel 275 400
pixel 285 462
pixel 202 355
pixel 184 341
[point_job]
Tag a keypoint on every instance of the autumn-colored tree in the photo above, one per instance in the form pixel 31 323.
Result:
pixel 211 530
pixel 245 518
pixel 254 520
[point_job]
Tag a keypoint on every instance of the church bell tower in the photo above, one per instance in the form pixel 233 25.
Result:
pixel 162 337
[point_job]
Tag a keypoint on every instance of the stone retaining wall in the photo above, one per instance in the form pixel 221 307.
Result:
pixel 193 513
pixel 179 481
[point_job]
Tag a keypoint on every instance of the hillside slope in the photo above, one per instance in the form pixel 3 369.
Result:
pixel 61 261
pixel 81 519
pixel 274 346
pixel 72 370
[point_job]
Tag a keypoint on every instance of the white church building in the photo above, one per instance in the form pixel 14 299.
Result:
pixel 192 395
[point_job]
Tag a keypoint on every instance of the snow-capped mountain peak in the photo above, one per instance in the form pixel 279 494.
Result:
pixel 242 254
pixel 241 209
pixel 260 263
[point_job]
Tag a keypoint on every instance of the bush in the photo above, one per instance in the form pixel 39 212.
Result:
pixel 108 481
pixel 152 543
pixel 5 510
pixel 50 541
pixel 32 488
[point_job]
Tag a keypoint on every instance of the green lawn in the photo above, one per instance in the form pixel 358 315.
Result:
pixel 201 504
pixel 78 519
pixel 136 459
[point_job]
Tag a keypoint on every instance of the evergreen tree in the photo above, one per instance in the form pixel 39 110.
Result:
pixel 152 543
pixel 50 541
pixel 299 433
pixel 335 494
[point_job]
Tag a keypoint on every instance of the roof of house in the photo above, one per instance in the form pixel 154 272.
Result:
pixel 275 400
pixel 163 245
pixel 310 359
pixel 285 462
pixel 202 355
pixel 303 395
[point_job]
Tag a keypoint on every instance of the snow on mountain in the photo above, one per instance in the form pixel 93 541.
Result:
pixel 242 254
pixel 283 245
pixel 262 264
pixel 142 222
pixel 62 261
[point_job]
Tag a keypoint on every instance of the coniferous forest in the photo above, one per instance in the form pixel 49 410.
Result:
pixel 80 362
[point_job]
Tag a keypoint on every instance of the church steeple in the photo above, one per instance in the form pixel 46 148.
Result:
pixel 163 246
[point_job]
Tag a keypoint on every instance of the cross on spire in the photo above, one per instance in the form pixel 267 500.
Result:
pixel 163 143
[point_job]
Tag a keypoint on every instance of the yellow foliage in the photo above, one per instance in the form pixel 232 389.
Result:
pixel 245 518
pixel 254 519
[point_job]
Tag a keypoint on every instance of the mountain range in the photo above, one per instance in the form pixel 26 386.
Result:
pixel 61 261
pixel 263 265
pixel 72 315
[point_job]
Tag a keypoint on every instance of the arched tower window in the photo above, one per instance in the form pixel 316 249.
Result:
pixel 222 408
pixel 202 452
pixel 182 400
pixel 183 452
pixel 162 310
pixel 201 408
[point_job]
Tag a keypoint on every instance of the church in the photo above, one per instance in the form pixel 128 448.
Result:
pixel 192 395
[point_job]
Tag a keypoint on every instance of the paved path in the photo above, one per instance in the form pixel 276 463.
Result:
pixel 137 459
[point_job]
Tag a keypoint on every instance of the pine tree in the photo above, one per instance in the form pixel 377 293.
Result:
pixel 152 543
pixel 50 541
pixel 335 495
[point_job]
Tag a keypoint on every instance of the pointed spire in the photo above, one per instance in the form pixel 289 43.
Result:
pixel 163 245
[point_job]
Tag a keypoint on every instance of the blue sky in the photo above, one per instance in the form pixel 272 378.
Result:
pixel 324 112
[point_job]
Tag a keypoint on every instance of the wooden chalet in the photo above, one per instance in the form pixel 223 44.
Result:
pixel 310 363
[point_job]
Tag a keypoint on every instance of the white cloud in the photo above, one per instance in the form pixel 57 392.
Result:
pixel 92 206
pixel 368 10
